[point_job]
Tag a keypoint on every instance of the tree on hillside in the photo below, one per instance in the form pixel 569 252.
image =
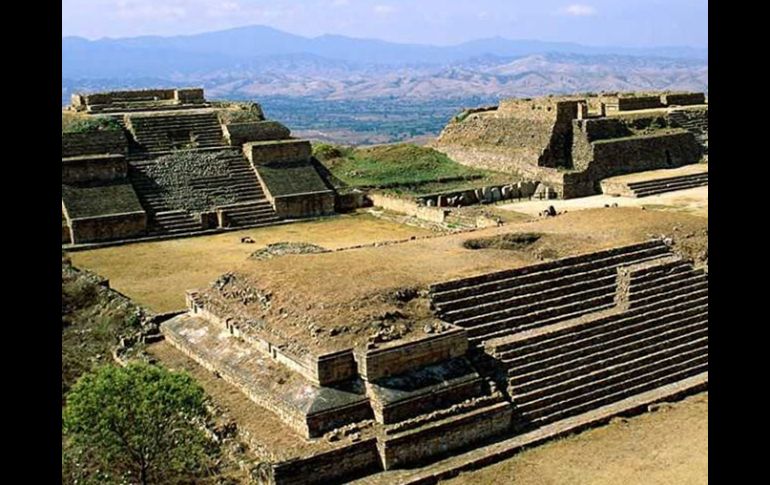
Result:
pixel 140 423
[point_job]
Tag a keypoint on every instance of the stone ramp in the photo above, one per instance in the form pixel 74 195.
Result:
pixel 499 304
pixel 656 182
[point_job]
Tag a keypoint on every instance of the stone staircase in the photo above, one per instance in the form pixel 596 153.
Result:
pixel 633 319
pixel 564 370
pixel 659 186
pixel 163 132
pixel 253 213
pixel 696 124
pixel 250 207
pixel 502 303
pixel 173 222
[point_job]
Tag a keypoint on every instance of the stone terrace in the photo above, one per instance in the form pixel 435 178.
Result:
pixel 564 338
pixel 193 170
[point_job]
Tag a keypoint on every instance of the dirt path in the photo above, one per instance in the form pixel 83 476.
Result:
pixel 693 201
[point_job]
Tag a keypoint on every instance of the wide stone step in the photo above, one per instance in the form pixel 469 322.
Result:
pixel 600 382
pixel 441 289
pixel 498 332
pixel 554 352
pixel 669 271
pixel 586 305
pixel 546 379
pixel 693 281
pixel 670 186
pixel 524 290
pixel 633 385
pixel 668 189
pixel 560 300
pixel 698 289
pixel 656 182
pixel 550 273
pixel 567 332
pixel 547 290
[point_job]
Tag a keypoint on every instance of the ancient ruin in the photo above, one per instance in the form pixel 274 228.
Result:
pixel 571 143
pixel 409 368
pixel 166 162
pixel 410 360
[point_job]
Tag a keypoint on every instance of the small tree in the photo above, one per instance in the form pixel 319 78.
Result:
pixel 140 422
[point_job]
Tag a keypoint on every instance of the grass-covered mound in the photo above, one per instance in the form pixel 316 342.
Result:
pixel 402 167
pixel 80 123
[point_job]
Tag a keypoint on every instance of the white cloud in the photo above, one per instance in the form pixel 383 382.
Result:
pixel 384 9
pixel 579 10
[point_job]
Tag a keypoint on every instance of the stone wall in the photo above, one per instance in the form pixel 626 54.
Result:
pixel 189 95
pixel 66 236
pixel 95 143
pixel 534 132
pixel 639 153
pixel 409 207
pixel 351 200
pixel 602 128
pixel 336 466
pixel 240 133
pixel 397 358
pixel 133 95
pixel 630 103
pixel 93 168
pixel 479 195
pixel 311 204
pixel 683 99
pixel 109 227
pixel 418 446
pixel 264 152
pixel 426 390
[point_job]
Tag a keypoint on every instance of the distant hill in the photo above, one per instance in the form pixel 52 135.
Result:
pixel 259 61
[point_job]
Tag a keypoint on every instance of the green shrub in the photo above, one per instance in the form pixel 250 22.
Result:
pixel 325 151
pixel 139 424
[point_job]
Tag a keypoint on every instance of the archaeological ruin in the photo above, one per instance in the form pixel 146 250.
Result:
pixel 166 162
pixel 409 361
pixel 384 379
pixel 571 143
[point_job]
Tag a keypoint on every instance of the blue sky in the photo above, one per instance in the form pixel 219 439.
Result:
pixel 637 23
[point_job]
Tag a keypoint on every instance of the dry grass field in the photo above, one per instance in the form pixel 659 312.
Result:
pixel 665 447
pixel 155 274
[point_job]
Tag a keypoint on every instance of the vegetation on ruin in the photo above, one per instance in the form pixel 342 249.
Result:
pixel 239 112
pixel 93 320
pixel 137 424
pixel 404 168
pixel 87 124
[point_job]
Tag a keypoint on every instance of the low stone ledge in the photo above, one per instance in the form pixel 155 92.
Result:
pixel 400 357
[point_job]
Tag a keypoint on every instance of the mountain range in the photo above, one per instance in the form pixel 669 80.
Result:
pixel 257 61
